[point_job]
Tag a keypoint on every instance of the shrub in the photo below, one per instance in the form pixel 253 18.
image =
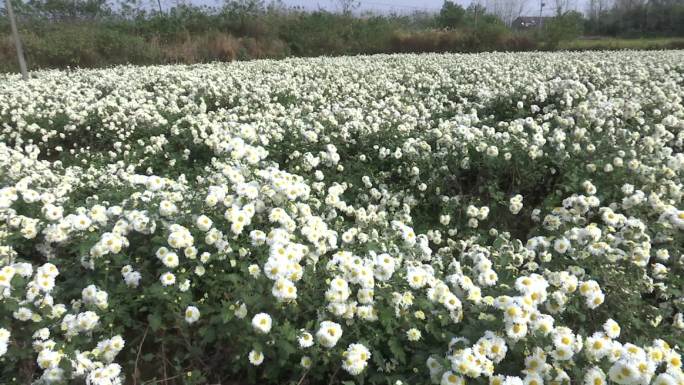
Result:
pixel 563 27
pixel 451 15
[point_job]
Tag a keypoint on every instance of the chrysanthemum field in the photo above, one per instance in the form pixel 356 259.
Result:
pixel 500 219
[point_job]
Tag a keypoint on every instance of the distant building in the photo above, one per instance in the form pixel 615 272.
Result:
pixel 527 22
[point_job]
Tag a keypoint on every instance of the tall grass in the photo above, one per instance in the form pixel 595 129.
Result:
pixel 608 43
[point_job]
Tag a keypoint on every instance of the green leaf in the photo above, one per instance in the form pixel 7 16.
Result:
pixel 155 321
pixel 227 314
pixel 397 350
pixel 386 319
pixel 288 331
pixel 209 334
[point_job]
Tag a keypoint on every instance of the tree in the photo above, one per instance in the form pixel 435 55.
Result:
pixel 451 15
pixel 595 11
pixel 563 6
pixel 348 6
pixel 245 6
pixel 567 26
pixel 476 9
pixel 596 7
pixel 475 13
pixel 507 10
pixel 69 10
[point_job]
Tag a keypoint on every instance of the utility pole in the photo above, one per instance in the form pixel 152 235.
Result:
pixel 17 42
pixel 541 7
pixel 160 8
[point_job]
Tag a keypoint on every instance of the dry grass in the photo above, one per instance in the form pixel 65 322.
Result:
pixel 461 41
pixel 191 49
pixel 195 49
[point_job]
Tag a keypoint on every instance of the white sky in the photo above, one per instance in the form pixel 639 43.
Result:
pixel 379 6
pixel 408 6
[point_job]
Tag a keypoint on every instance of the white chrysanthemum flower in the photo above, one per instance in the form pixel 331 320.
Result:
pixel 192 314
pixel 611 328
pixel 328 334
pixel 256 357
pixel 413 334
pixel 262 323
pixel 306 362
pixel 204 223
pixel 167 279
pixel 305 340
pixel 355 359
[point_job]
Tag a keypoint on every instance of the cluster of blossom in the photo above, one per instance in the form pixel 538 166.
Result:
pixel 283 265
pixel 108 349
pixel 355 359
pixel 96 372
pixel 130 276
pixel 92 295
pixel 357 271
pixel 476 214
pixel 516 204
pixel 8 272
pixel 393 205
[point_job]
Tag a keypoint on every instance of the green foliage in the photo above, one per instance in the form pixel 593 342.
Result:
pixel 84 45
pixel 563 27
pixel 451 15
pixel 638 19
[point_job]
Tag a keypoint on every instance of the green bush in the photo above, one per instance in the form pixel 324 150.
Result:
pixel 86 45
pixel 563 27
